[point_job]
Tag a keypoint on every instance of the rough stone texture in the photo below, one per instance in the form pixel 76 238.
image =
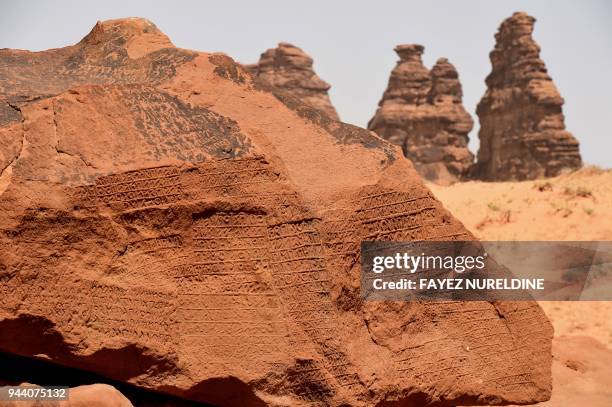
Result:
pixel 421 111
pixel 289 68
pixel 522 131
pixel 164 222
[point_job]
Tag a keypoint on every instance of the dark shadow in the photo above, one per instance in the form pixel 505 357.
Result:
pixel 227 392
pixel 18 369
pixel 30 335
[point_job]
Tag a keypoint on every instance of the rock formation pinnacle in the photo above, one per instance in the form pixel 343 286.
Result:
pixel 289 68
pixel 422 111
pixel 522 131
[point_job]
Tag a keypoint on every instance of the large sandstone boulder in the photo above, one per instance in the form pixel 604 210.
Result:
pixel 522 131
pixel 422 112
pixel 288 68
pixel 165 223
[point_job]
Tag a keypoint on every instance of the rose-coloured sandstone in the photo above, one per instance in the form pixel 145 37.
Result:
pixel 422 112
pixel 522 131
pixel 165 222
pixel 288 68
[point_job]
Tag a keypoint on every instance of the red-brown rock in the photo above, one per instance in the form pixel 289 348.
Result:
pixel 288 68
pixel 522 131
pixel 163 222
pixel 422 112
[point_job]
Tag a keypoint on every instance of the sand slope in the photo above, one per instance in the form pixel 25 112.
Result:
pixel 573 206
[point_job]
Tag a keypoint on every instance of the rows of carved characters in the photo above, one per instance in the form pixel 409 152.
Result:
pixel 311 382
pixel 241 186
pixel 299 264
pixel 487 339
pixel 145 317
pixel 153 262
pixel 227 309
pixel 342 244
pixel 132 190
pixel 250 181
pixel 195 270
pixel 391 215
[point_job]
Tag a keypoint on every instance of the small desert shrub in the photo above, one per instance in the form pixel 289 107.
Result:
pixel 581 192
pixel 545 186
pixel 492 206
pixel 564 211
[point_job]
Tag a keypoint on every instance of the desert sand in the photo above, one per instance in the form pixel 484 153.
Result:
pixel 572 206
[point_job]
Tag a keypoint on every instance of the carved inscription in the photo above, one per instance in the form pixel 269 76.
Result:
pixel 227 309
pixel 133 190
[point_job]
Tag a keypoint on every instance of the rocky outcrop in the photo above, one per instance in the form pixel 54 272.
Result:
pixel 522 131
pixel 166 223
pixel 422 112
pixel 288 68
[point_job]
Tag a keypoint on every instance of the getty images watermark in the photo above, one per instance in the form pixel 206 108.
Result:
pixel 490 271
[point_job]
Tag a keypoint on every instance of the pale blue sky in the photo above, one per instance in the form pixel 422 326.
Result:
pixel 352 43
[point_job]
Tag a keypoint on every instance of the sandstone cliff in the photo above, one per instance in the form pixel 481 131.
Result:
pixel 288 68
pixel 165 222
pixel 522 131
pixel 422 112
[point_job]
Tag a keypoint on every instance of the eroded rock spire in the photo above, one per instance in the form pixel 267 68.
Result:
pixel 422 111
pixel 289 68
pixel 522 131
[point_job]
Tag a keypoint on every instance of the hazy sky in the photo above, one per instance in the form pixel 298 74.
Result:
pixel 352 43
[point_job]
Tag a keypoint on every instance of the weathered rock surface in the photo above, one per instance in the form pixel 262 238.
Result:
pixel 164 222
pixel 522 131
pixel 287 67
pixel 422 112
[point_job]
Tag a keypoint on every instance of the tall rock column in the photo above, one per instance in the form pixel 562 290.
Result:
pixel 289 68
pixel 522 131
pixel 422 111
